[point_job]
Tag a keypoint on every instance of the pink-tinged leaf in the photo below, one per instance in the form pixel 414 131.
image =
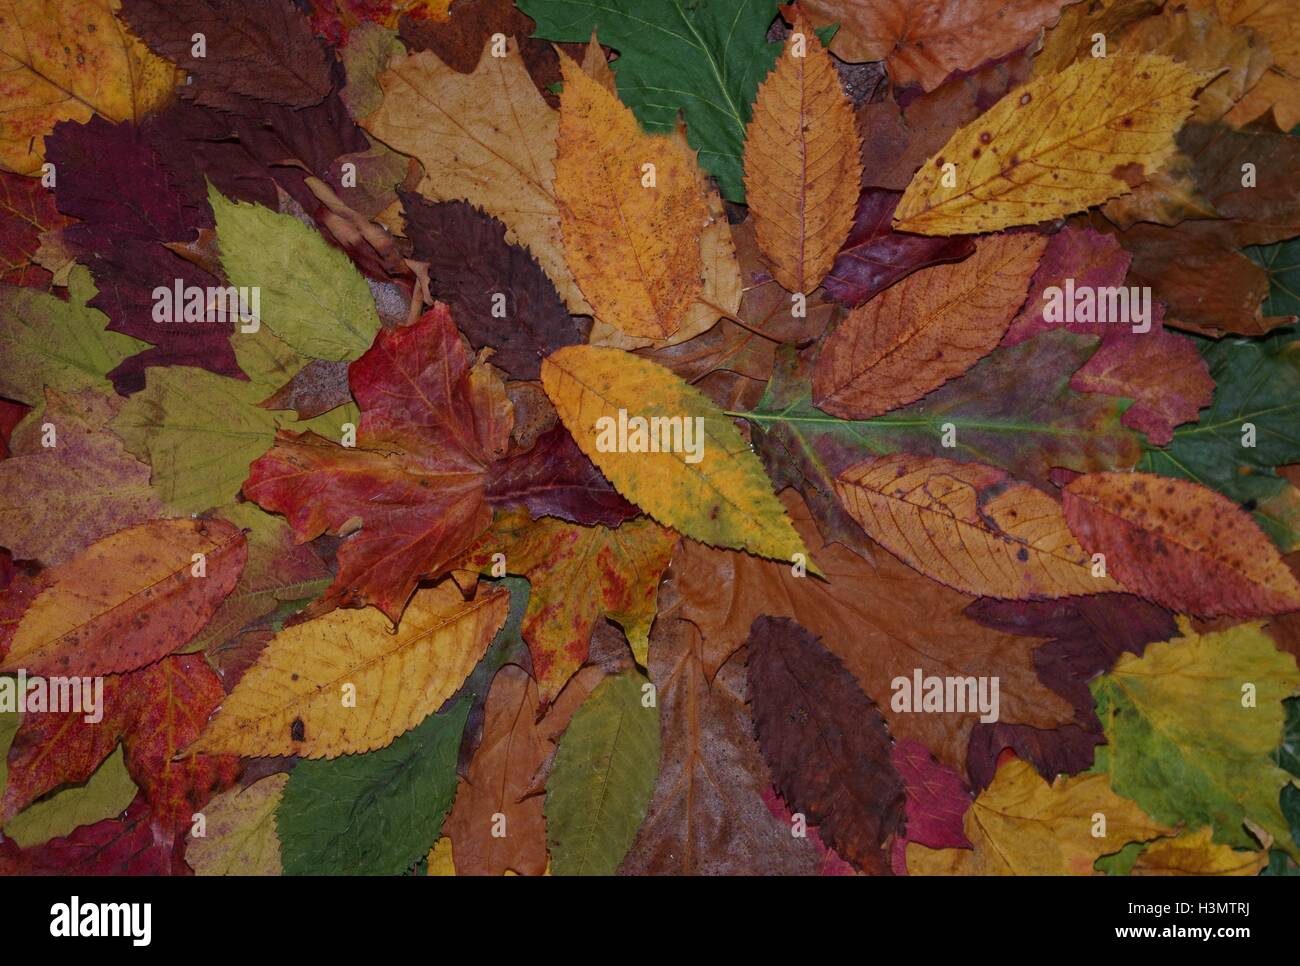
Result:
pixel 831 863
pixel 556 479
pixel 26 210
pixel 128 599
pixel 431 424
pixel 874 256
pixel 937 800
pixel 1180 544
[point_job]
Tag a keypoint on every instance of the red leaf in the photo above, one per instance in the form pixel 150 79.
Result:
pixel 26 210
pixel 431 424
pixel 937 800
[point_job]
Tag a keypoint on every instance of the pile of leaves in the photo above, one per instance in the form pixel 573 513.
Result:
pixel 367 586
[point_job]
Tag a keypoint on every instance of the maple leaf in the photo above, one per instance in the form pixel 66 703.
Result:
pixel 27 212
pixel 431 423
pixel 624 564
pixel 111 74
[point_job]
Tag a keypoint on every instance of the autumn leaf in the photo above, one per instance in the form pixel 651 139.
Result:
pixel 874 256
pixel 802 164
pixel 707 815
pixel 632 243
pixel 129 598
pixel 937 800
pixel 111 73
pixel 969 526
pixel 1063 152
pixel 825 741
pixel 1189 743
pixel 1023 825
pixel 930 327
pixel 452 123
pixel 1194 853
pixel 604 774
pixel 926 42
pixel 1179 544
pixel 431 422
pixel 27 214
pixel 519 736
pixel 721 498
pixel 106 794
pixel 868 613
pixel 622 565
pixel 497 291
pixel 704 62
pixel 90 486
pixel 345 683
pixel 239 835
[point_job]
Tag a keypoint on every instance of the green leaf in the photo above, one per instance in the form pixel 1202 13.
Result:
pixel 1184 744
pixel 703 59
pixel 1014 409
pixel 604 775
pixel 1282 262
pixel 377 813
pixel 311 295
pixel 46 341
pixel 107 793
pixel 1256 381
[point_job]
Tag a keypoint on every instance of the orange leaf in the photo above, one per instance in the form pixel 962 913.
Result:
pixel 969 526
pixel 631 211
pixel 802 163
pixel 930 327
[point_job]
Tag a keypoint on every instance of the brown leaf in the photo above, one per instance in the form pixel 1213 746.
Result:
pixel 825 741
pixel 930 327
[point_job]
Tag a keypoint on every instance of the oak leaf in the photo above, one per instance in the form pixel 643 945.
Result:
pixel 1047 149
pixel 802 164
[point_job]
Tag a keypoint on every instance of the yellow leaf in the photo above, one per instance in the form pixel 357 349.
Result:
pixel 1021 825
pixel 1059 144
pixel 239 836
pixel 66 60
pixel 295 699
pixel 802 163
pixel 705 482
pixel 969 526
pixel 487 137
pixel 631 211
pixel 440 858
pixel 1195 853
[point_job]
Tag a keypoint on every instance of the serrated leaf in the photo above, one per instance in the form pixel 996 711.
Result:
pixel 293 701
pixel 604 774
pixel 239 831
pixel 375 813
pixel 1054 146
pixel 722 498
